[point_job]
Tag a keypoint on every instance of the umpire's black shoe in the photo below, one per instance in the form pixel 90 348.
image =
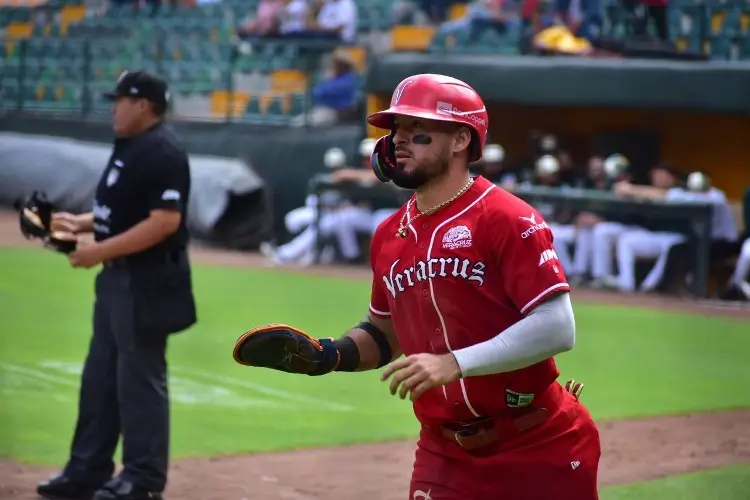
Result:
pixel 121 489
pixel 61 487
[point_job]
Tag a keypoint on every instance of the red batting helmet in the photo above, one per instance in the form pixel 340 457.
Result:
pixel 433 97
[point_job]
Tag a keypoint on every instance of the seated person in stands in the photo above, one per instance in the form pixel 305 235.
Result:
pixel 335 98
pixel 437 10
pixel 292 18
pixel 483 15
pixel 264 22
pixel 660 243
pixel 492 168
pixel 334 20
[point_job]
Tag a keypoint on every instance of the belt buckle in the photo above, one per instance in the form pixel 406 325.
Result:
pixel 459 435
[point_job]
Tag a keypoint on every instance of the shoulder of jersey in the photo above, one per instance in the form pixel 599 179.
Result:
pixel 503 203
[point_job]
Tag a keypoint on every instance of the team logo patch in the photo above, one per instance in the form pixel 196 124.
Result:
pixel 112 177
pixel 534 226
pixel 518 399
pixel 547 256
pixel 422 495
pixel 457 237
pixel 399 92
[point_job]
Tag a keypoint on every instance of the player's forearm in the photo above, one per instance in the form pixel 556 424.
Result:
pixel 140 237
pixel 85 222
pixel 548 330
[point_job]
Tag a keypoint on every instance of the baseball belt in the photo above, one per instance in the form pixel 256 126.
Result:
pixel 485 431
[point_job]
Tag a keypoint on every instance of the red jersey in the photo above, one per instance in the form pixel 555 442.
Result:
pixel 462 276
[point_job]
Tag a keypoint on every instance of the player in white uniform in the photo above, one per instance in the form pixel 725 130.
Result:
pixel 607 234
pixel 741 275
pixel 644 244
pixel 334 220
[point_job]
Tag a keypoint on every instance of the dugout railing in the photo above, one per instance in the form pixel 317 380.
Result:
pixel 695 215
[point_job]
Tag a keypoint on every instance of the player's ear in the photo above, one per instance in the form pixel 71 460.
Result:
pixel 461 139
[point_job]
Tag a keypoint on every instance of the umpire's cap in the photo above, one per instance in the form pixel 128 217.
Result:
pixel 141 85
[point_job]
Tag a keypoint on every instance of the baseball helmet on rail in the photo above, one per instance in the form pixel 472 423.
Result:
pixel 432 97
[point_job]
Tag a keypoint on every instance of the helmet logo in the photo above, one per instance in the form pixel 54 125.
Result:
pixel 446 108
pixel 399 92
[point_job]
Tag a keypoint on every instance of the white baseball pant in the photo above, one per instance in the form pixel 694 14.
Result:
pixel 645 244
pixel 603 243
pixel 300 218
pixel 742 268
pixel 567 235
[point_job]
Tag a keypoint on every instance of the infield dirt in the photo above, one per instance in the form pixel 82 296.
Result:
pixel 632 450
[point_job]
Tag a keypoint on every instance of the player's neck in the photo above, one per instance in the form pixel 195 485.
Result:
pixel 441 190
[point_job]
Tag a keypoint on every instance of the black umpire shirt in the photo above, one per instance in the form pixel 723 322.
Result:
pixel 146 172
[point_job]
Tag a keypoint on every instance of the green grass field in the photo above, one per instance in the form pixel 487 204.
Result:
pixel 730 483
pixel 45 308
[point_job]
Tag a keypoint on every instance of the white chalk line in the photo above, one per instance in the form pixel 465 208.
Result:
pixel 268 391
pixel 185 388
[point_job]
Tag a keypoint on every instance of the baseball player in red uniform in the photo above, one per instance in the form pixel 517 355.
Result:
pixel 466 284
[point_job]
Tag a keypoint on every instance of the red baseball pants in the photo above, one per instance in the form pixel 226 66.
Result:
pixel 559 460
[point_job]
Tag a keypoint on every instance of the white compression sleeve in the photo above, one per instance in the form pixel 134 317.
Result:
pixel 548 330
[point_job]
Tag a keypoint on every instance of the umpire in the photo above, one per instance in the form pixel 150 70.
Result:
pixel 143 294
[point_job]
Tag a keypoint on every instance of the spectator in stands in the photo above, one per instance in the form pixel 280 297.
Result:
pixel 335 99
pixel 293 17
pixel 482 15
pixel 642 243
pixel 335 18
pixel 582 17
pixel 648 11
pixel 265 22
pixel 437 10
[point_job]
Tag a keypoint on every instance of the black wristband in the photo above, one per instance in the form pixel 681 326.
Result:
pixel 348 354
pixel 386 353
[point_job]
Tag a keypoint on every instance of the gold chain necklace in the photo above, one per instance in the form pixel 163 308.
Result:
pixel 403 232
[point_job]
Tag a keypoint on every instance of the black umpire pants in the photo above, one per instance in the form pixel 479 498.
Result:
pixel 123 391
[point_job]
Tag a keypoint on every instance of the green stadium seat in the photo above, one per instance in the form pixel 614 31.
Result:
pixel 744 46
pixel 297 105
pixel 685 20
pixel 252 109
pixel 721 48
pixel 275 106
pixel 9 93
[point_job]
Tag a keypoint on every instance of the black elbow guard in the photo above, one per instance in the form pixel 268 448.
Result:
pixel 386 353
pixel 349 352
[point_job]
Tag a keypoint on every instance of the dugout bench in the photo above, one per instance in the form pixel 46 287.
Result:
pixel 698 214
